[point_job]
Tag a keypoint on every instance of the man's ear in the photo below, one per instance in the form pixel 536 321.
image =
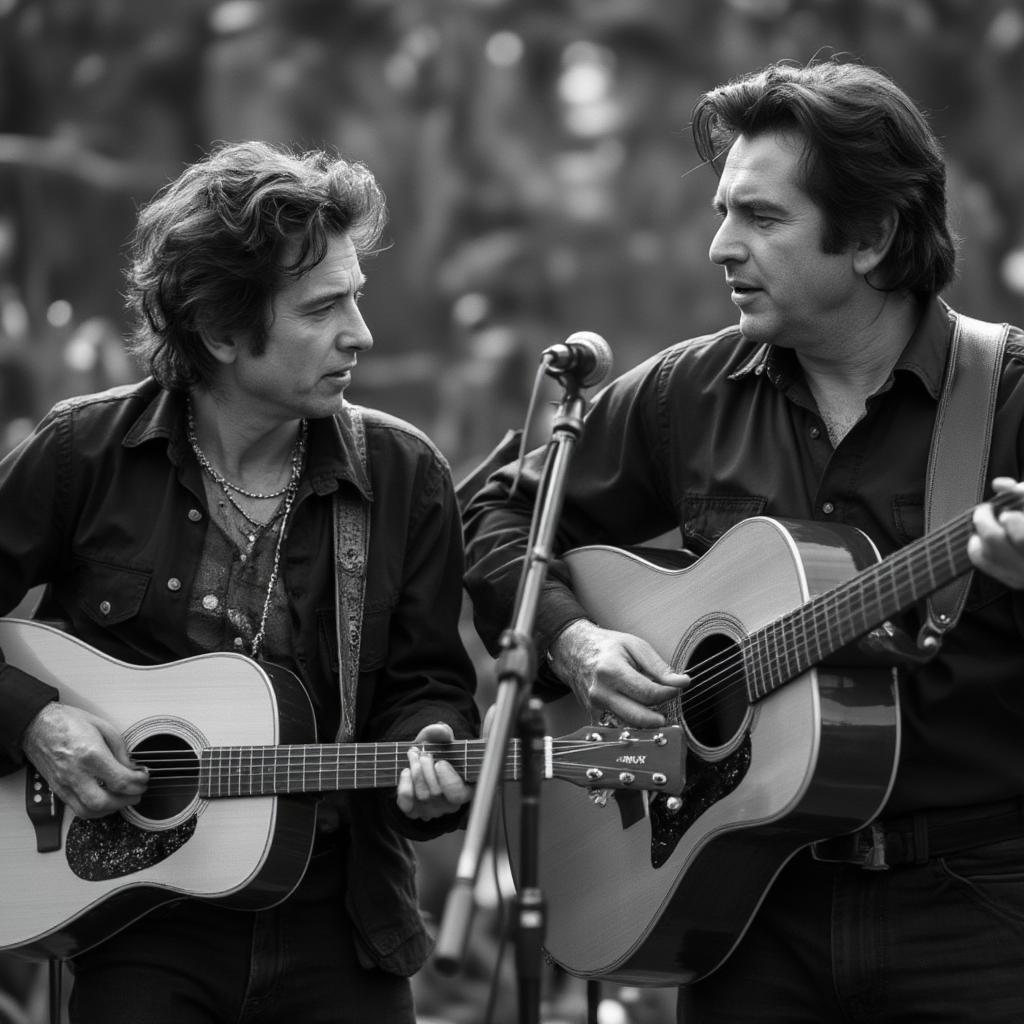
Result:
pixel 871 249
pixel 222 346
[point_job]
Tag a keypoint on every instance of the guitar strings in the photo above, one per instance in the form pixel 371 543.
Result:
pixel 308 763
pixel 725 675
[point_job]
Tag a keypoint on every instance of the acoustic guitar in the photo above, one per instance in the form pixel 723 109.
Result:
pixel 228 815
pixel 789 741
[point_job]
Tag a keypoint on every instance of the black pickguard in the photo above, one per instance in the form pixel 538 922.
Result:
pixel 706 783
pixel 99 849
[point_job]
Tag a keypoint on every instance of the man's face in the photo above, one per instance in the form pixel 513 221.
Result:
pixel 315 333
pixel 788 291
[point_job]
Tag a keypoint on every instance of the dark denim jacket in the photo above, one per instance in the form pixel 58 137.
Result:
pixel 104 503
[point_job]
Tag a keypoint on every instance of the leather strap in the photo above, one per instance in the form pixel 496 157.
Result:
pixel 958 460
pixel 351 544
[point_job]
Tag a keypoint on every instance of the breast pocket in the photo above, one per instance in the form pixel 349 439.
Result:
pixel 707 516
pixel 109 594
pixel 908 519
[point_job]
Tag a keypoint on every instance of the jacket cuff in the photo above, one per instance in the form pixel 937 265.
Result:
pixel 22 697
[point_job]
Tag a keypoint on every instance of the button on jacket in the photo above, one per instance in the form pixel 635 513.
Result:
pixel 714 430
pixel 105 503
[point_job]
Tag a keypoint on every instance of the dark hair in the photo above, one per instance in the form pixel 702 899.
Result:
pixel 868 151
pixel 208 252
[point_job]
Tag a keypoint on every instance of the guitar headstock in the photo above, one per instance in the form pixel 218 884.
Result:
pixel 616 757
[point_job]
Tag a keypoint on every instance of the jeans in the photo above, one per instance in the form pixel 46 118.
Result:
pixel 937 942
pixel 195 963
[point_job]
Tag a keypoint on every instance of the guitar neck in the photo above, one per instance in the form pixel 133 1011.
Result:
pixel 808 635
pixel 328 767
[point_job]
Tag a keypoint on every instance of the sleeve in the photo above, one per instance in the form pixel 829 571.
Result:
pixel 429 677
pixel 28 510
pixel 616 493
pixel 22 697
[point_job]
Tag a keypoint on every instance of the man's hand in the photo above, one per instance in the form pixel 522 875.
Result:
pixel 615 672
pixel 84 760
pixel 429 788
pixel 997 545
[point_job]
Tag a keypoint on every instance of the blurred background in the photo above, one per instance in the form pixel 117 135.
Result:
pixel 541 181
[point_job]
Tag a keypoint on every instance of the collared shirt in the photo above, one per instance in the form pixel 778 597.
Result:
pixel 715 430
pixel 105 503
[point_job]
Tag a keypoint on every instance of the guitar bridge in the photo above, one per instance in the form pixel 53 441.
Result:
pixel 45 810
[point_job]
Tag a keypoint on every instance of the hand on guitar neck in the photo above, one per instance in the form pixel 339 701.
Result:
pixel 997 546
pixel 430 787
pixel 615 673
pixel 84 760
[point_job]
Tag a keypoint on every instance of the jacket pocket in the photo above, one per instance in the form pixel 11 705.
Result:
pixel 707 516
pixel 109 594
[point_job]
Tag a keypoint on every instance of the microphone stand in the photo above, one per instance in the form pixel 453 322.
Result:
pixel 515 672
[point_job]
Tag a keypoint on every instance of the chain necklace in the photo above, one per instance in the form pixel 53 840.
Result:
pixel 290 490
pixel 224 482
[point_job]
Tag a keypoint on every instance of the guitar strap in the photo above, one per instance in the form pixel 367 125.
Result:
pixel 351 544
pixel 958 459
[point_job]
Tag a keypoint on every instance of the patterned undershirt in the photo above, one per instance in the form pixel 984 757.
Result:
pixel 230 586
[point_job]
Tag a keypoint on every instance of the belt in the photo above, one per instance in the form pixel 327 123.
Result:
pixel 919 837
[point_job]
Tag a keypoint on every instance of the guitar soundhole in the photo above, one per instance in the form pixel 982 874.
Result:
pixel 715 705
pixel 173 776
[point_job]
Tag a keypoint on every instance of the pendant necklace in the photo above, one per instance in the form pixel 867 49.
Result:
pixel 289 491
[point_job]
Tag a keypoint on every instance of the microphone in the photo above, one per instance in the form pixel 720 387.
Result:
pixel 584 356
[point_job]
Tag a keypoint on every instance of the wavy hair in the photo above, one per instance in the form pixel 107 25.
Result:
pixel 868 152
pixel 211 249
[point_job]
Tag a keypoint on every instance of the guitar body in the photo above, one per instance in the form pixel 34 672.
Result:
pixel 642 894
pixel 243 853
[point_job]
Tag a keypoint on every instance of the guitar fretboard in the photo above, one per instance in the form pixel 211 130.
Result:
pixel 808 635
pixel 324 767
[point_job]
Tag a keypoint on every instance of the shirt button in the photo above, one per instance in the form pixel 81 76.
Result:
pixel 815 432
pixel 174 583
pixel 210 602
pixel 104 607
pixel 195 515
pixel 828 508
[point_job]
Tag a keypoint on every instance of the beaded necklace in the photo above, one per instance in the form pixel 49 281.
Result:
pixel 289 491
pixel 224 482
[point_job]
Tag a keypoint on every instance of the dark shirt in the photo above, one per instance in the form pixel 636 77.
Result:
pixel 714 430
pixel 105 503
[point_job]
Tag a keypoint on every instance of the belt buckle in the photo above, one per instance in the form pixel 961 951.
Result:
pixel 864 848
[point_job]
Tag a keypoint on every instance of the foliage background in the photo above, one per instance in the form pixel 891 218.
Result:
pixel 539 172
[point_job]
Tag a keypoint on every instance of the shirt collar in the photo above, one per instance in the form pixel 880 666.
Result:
pixel 924 354
pixel 331 453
